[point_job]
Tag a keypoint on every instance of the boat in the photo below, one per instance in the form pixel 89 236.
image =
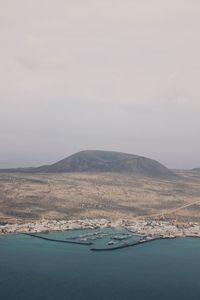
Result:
pixel 110 243
pixel 122 237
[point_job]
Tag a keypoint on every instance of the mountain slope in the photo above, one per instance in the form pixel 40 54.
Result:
pixel 104 161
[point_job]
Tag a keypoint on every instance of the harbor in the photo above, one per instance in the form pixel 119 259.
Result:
pixel 98 240
pixel 62 266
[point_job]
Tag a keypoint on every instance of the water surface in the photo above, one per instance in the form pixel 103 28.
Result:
pixel 31 268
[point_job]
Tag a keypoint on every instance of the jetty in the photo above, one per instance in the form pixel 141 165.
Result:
pixel 59 241
pixel 126 245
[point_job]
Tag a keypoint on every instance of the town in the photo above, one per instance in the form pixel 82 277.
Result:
pixel 141 227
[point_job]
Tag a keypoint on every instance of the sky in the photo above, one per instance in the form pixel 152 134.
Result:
pixel 109 74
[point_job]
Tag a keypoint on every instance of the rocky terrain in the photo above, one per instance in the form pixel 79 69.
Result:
pixel 27 197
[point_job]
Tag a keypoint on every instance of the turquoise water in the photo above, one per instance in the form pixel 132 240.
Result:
pixel 31 268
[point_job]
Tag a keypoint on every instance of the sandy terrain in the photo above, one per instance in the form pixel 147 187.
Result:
pixel 25 197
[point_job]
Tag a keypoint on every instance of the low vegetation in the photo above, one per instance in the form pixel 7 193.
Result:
pixel 25 196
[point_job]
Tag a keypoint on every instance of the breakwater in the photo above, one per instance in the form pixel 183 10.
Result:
pixel 126 245
pixel 59 241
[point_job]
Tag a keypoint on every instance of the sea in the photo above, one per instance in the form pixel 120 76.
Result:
pixel 33 268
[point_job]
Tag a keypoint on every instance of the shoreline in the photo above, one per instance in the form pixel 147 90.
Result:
pixel 152 228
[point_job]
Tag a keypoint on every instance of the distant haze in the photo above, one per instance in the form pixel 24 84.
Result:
pixel 106 74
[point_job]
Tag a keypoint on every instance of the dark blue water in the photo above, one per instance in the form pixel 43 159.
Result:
pixel 31 268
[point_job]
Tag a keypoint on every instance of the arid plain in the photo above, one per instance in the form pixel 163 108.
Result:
pixel 26 197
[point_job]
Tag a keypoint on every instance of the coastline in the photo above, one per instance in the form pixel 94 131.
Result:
pixel 151 228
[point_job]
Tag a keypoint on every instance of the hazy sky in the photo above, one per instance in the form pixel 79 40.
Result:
pixel 107 74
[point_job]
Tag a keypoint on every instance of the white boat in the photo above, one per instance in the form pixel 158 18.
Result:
pixel 110 243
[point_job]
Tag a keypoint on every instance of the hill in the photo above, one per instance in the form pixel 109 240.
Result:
pixel 103 161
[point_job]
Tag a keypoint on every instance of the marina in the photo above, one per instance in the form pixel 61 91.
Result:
pixel 100 240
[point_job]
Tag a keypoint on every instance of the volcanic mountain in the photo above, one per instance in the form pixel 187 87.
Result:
pixel 103 161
